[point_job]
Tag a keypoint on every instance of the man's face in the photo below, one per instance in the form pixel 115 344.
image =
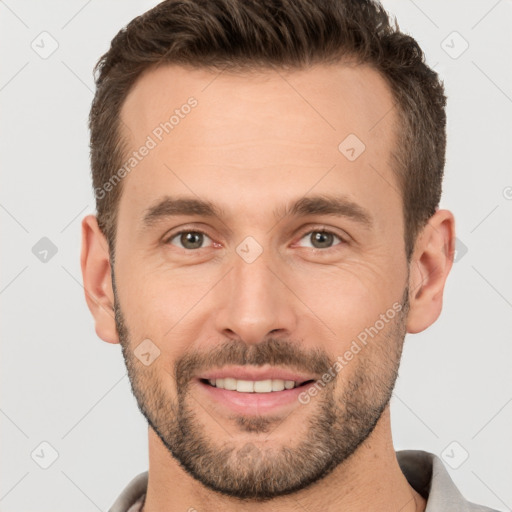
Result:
pixel 258 295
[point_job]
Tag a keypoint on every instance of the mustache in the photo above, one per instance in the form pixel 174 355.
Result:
pixel 272 351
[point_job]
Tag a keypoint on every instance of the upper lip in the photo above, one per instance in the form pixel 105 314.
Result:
pixel 245 373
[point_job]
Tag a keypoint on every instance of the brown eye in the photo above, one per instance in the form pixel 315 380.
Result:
pixel 321 239
pixel 189 240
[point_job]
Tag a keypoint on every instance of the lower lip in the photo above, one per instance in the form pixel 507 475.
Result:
pixel 254 403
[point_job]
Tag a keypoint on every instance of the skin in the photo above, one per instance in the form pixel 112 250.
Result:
pixel 255 143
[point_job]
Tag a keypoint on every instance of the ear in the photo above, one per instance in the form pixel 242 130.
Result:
pixel 430 265
pixel 95 262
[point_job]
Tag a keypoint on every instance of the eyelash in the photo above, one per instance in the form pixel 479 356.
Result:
pixel 318 229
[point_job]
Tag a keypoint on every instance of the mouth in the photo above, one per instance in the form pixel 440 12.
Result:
pixel 255 386
pixel 254 397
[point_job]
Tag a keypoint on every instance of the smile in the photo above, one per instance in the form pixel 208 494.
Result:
pixel 253 397
pixel 254 386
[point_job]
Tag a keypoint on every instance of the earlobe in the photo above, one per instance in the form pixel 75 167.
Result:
pixel 96 274
pixel 430 265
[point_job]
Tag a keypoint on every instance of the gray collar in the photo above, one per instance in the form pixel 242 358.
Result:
pixel 427 474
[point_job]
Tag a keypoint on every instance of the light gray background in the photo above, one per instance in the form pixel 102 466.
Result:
pixel 62 385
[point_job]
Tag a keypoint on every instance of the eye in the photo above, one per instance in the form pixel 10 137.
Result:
pixel 189 240
pixel 321 238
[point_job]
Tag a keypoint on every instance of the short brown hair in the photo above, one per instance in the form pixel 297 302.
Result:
pixel 283 34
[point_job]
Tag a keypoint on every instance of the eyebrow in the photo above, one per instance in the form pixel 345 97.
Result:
pixel 175 206
pixel 339 206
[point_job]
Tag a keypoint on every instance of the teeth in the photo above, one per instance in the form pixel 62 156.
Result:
pixel 279 385
pixel 228 383
pixel 253 386
pixel 244 386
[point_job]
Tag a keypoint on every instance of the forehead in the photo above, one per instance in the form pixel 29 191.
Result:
pixel 318 101
pixel 257 133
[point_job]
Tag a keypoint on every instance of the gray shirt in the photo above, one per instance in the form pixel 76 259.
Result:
pixel 424 471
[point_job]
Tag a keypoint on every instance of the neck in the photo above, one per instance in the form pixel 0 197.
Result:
pixel 370 479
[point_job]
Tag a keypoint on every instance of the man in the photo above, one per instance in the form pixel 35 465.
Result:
pixel 267 177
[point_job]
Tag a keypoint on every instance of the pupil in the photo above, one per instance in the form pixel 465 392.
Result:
pixel 324 239
pixel 187 239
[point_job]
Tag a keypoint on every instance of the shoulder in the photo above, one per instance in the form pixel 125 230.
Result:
pixel 131 498
pixel 427 474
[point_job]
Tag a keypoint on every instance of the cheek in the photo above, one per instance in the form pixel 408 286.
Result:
pixel 349 297
pixel 162 305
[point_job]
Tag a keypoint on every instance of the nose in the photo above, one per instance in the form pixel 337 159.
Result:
pixel 256 302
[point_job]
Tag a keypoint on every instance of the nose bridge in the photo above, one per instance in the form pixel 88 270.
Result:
pixel 254 301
